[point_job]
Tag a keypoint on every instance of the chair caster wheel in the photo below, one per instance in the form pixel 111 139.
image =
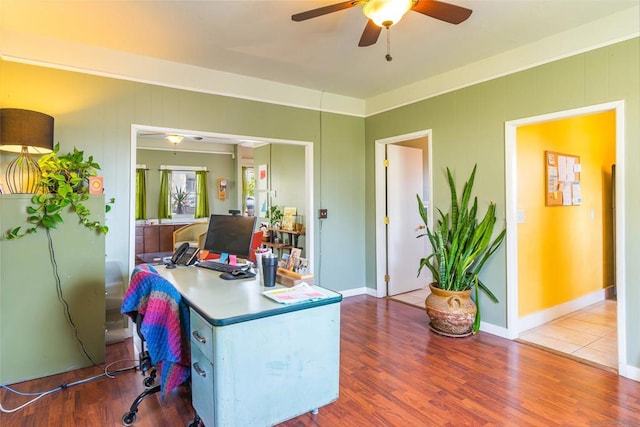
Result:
pixel 128 418
pixel 148 382
pixel 196 422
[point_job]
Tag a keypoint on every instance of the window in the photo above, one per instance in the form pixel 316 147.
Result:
pixel 248 191
pixel 183 192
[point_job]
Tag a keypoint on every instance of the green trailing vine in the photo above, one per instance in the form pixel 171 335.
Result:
pixel 63 184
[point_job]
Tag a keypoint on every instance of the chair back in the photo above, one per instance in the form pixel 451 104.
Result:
pixel 189 234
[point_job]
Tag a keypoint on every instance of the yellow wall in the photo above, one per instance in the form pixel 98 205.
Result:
pixel 565 252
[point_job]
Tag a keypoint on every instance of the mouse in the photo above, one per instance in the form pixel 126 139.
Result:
pixel 236 274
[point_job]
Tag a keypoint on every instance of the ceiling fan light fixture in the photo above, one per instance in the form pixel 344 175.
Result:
pixel 385 13
pixel 174 138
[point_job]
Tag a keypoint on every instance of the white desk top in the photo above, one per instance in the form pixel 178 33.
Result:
pixel 223 302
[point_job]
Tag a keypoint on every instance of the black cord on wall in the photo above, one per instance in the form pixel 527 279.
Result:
pixel 52 256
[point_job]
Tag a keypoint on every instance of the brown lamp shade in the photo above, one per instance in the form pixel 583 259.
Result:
pixel 26 132
pixel 25 128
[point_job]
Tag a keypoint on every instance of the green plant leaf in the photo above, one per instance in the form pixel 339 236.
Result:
pixel 51 208
pixel 62 185
pixel 460 243
pixel 34 219
pixel 49 222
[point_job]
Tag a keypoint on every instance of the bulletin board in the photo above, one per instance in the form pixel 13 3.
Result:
pixel 562 179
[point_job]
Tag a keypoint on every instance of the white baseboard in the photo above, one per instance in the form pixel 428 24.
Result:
pixel 358 291
pixel 494 330
pixel 630 372
pixel 540 318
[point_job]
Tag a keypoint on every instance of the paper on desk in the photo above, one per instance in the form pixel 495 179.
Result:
pixel 302 292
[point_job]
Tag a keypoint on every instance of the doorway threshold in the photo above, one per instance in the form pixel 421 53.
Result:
pixel 415 298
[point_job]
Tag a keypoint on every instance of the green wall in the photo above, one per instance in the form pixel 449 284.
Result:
pixel 36 338
pixel 287 176
pixel 96 114
pixel 285 180
pixel 468 127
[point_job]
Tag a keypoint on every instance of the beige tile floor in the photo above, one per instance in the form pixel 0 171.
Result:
pixel 589 334
pixel 414 297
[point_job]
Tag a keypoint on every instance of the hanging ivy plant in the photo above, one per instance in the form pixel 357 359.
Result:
pixel 64 183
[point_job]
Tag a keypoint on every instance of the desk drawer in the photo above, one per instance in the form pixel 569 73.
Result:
pixel 202 386
pixel 201 335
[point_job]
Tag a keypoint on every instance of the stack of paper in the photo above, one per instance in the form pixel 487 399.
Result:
pixel 302 292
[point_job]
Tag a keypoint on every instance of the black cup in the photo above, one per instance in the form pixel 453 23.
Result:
pixel 269 268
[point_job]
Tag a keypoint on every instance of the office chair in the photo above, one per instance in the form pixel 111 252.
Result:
pixel 161 317
pixel 190 234
pixel 145 366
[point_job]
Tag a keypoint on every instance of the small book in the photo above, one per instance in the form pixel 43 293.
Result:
pixel 288 217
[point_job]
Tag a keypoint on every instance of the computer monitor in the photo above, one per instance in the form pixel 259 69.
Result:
pixel 230 234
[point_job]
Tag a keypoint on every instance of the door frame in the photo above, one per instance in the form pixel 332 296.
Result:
pixel 136 129
pixel 511 174
pixel 381 247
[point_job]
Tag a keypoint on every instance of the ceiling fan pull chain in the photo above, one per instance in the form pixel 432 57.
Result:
pixel 388 55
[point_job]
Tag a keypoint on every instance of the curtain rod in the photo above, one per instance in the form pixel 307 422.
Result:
pixel 181 170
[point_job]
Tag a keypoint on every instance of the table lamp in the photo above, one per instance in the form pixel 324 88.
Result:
pixel 25 132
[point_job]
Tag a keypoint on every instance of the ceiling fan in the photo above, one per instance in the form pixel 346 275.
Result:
pixel 385 13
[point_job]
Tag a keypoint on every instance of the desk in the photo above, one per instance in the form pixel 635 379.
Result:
pixel 255 362
pixel 153 258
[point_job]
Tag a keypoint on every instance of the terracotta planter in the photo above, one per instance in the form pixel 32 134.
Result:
pixel 451 312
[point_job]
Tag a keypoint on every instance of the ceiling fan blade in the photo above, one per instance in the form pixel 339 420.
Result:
pixel 314 13
pixel 370 34
pixel 443 11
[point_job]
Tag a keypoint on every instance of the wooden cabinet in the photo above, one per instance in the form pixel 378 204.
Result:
pixel 155 238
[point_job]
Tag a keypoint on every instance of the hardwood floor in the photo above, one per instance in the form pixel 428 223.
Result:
pixel 394 372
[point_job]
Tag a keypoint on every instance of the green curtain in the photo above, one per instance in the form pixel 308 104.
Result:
pixel 164 204
pixel 245 187
pixel 202 195
pixel 141 194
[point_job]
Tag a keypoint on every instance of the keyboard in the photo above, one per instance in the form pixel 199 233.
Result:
pixel 217 266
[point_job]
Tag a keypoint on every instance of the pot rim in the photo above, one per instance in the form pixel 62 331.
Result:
pixel 437 290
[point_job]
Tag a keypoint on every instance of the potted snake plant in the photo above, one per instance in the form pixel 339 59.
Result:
pixel 461 245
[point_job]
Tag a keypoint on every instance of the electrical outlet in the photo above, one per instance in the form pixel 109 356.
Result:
pixel 322 213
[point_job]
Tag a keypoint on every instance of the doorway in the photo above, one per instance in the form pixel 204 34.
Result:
pixel 210 142
pixel 517 322
pixel 393 257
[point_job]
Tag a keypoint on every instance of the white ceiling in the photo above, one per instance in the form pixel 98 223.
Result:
pixel 258 38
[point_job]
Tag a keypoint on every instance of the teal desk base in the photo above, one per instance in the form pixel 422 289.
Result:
pixel 256 362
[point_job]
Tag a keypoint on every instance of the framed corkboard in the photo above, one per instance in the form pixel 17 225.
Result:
pixel 562 179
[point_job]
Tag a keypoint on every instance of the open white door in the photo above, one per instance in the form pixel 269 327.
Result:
pixel 404 250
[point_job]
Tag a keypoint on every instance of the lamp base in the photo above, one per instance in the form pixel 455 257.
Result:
pixel 23 174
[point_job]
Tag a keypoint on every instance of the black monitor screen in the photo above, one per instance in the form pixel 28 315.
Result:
pixel 230 234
